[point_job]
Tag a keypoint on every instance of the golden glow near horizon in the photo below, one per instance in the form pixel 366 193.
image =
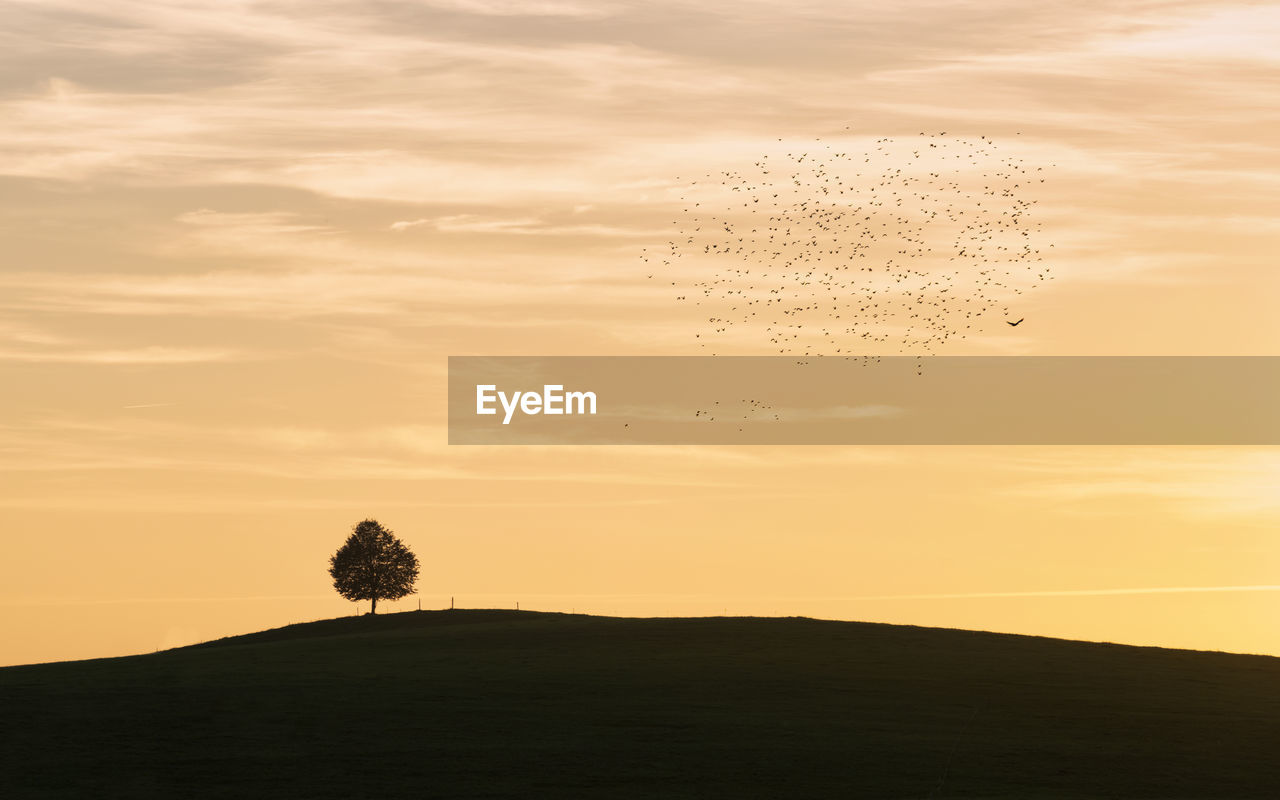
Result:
pixel 241 239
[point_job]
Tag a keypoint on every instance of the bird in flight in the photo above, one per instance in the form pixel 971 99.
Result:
pixel 1014 324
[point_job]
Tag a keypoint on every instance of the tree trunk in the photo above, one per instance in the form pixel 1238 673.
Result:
pixel 374 610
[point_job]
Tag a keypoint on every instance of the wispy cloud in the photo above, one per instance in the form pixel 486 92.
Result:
pixel 43 602
pixel 1075 593
pixel 1208 480
pixel 293 294
pixel 156 354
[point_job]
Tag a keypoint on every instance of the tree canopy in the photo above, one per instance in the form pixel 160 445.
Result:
pixel 373 565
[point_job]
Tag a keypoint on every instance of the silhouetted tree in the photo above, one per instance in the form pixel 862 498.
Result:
pixel 373 565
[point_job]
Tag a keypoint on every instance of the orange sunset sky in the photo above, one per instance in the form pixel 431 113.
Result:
pixel 241 238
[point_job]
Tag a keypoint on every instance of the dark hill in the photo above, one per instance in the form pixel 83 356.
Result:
pixel 518 704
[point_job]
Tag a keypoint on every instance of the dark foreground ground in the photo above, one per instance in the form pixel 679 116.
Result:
pixel 519 704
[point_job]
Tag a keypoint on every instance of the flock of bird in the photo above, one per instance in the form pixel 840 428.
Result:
pixel 741 410
pixel 821 251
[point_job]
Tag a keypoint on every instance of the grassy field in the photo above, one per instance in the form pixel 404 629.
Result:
pixel 496 704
